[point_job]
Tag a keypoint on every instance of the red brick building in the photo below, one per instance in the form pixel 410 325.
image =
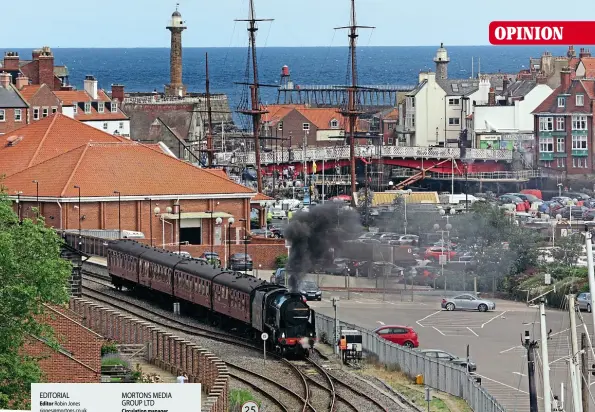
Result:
pixel 39 70
pixel 78 357
pixel 564 126
pixel 40 98
pixel 13 108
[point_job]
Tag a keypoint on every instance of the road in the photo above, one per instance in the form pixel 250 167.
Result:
pixel 494 337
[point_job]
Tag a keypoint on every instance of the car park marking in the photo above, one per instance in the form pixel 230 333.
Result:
pixel 518 373
pixel 472 331
pixel 381 323
pixel 498 315
pixel 438 330
pixel 513 348
pixel 504 384
pixel 431 314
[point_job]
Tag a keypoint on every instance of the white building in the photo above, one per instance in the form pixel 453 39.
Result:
pixel 93 107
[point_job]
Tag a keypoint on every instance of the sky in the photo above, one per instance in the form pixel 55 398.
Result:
pixel 303 23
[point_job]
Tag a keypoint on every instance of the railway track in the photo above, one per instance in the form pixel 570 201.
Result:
pixel 327 382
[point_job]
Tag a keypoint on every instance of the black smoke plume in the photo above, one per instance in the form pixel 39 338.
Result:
pixel 311 234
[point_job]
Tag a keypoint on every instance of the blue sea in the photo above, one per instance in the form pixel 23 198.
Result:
pixel 147 69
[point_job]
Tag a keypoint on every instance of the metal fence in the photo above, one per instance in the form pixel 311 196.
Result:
pixel 439 375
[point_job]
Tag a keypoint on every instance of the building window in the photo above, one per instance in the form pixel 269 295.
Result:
pixel 561 145
pixel 546 124
pixel 121 125
pixel 46 111
pixel 75 109
pixel 87 107
pixel 413 120
pixel 36 113
pixel 2 115
pixel 54 109
pixel 306 126
pixel 561 101
pixel 579 162
pixel 454 102
pixel 334 124
pixel 580 100
pixel 412 99
pixel 453 121
pixel 391 141
pixel 114 107
pixel 546 144
pixel 546 163
pixel 561 162
pixel 101 107
pixel 18 115
pixel 579 142
pixel 579 122
pixel 105 126
pixel 559 123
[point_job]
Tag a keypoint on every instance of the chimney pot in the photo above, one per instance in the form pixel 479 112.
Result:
pixel 90 86
pixel 118 92
pixel 22 81
pixel 565 79
pixel 5 80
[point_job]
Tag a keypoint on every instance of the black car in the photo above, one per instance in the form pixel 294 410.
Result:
pixel 339 266
pixel 240 261
pixel 310 290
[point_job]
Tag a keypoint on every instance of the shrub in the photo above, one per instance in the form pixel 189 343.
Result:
pixel 237 397
pixel 281 261
pixel 108 347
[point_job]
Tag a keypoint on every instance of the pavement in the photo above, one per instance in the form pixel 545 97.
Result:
pixel 494 337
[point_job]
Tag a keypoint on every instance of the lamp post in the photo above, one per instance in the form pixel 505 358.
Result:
pixel 245 247
pixel 150 219
pixel 18 193
pixel 179 227
pixel 218 223
pixel 212 236
pixel 116 192
pixel 80 234
pixel 263 205
pixel 230 222
pixel 37 196
pixel 448 228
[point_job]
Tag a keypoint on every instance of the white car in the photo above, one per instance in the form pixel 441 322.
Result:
pixel 278 214
pixel 183 254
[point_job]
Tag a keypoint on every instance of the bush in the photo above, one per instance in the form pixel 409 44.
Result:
pixel 237 397
pixel 108 347
pixel 281 261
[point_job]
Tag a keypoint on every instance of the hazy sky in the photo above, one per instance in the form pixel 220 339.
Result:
pixel 141 23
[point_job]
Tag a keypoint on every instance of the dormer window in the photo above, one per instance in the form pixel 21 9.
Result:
pixel 561 101
pixel 75 107
pixel 101 107
pixel 114 107
pixel 87 107
pixel 334 124
pixel 580 100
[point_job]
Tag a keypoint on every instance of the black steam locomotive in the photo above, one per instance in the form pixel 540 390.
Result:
pixel 226 297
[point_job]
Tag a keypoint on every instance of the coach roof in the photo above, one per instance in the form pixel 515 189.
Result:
pixel 198 268
pixel 239 281
pixel 160 257
pixel 129 247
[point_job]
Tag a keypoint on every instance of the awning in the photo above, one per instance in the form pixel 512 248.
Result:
pixel 196 215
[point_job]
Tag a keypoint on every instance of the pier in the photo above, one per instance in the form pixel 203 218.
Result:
pixel 336 95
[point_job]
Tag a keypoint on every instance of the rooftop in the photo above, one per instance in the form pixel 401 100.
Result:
pixel 10 99
pixel 30 90
pixel 69 98
pixel 550 104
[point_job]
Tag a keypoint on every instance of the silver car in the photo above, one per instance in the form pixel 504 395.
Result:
pixel 584 301
pixel 468 302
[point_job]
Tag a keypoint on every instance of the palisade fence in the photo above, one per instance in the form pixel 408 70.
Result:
pixel 438 375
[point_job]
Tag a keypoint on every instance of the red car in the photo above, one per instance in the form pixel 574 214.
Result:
pixel 401 335
pixel 434 252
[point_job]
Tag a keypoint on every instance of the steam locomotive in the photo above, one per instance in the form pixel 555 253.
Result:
pixel 228 298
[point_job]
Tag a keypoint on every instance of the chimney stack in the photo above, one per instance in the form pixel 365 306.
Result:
pixel 584 53
pixel 565 79
pixel 5 80
pixel 504 84
pixel 118 92
pixel 571 52
pixel 90 85
pixel 492 97
pixel 22 81
pixel 11 61
pixel 541 78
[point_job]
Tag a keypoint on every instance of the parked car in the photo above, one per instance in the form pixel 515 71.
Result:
pixel 434 252
pixel 468 302
pixel 509 199
pixel 339 266
pixel 310 290
pixel 577 212
pixel 261 233
pixel 589 214
pixel 278 213
pixel 401 335
pixel 584 301
pixel 240 261
pixel 279 277
pixel 449 357
pixel 183 254
pixel 526 196
pixel 212 258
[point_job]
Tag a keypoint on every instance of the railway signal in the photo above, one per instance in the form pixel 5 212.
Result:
pixel 264 338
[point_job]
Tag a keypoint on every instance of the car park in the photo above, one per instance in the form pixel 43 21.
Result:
pixel 401 335
pixel 449 357
pixel 467 302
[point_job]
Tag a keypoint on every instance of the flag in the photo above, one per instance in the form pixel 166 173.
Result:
pixel 313 167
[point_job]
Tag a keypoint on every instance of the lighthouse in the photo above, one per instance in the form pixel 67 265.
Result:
pixel 176 27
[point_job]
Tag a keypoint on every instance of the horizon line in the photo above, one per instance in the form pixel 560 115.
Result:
pixel 276 47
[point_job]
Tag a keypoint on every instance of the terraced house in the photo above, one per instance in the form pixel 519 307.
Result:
pixel 564 126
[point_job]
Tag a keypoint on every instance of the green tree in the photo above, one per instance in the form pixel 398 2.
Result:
pixel 364 205
pixel 32 274
pixel 568 249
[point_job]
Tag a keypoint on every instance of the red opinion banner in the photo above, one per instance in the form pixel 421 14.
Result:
pixel 564 33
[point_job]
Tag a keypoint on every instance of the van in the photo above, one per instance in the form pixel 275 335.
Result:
pixel 458 199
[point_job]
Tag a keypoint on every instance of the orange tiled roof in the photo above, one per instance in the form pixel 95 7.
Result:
pixel 589 64
pixel 45 139
pixel 322 117
pixel 276 112
pixel 573 62
pixel 392 115
pixel 261 197
pixel 130 167
pixel 81 96
pixel 69 96
pixel 29 91
pixel 218 172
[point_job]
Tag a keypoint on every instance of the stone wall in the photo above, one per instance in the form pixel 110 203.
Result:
pixel 166 351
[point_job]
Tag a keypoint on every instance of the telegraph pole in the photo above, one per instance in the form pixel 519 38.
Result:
pixel 584 372
pixel 530 345
pixel 547 403
pixel 209 114
pixel 351 111
pixel 574 366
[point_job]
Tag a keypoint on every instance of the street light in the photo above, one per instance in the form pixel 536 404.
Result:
pixel 263 205
pixel 151 218
pixel 18 193
pixel 212 236
pixel 116 192
pixel 179 227
pixel 218 222
pixel 245 247
pixel 230 222
pixel 37 196
pixel 80 235
pixel 448 228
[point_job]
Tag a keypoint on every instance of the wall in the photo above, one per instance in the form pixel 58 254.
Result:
pixel 263 256
pixel 429 113
pixel 10 123
pixel 44 98
pixel 68 111
pixel 112 126
pixel 166 351
pixel 329 135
